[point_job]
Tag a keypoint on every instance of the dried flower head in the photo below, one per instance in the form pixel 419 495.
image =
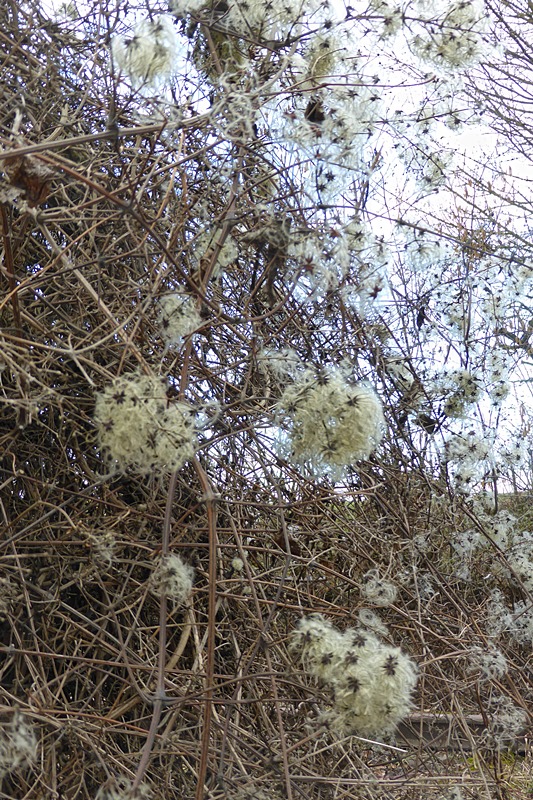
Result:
pixel 454 793
pixel 183 7
pixel 377 590
pixel 520 623
pixel 173 578
pixel 369 619
pixel 332 421
pixel 462 389
pixel 18 743
pixel 458 42
pixel 102 544
pixel 267 19
pixel 371 682
pixel 122 789
pixel 138 431
pixel 279 363
pixel 488 661
pixel 178 317
pixel 506 722
pixel 8 594
pixel 519 559
pixel 207 247
pixel 149 55
pixel 392 15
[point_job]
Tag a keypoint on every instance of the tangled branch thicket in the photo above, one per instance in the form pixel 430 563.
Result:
pixel 195 462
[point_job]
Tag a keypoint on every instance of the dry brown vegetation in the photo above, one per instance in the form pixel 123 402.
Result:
pixel 204 700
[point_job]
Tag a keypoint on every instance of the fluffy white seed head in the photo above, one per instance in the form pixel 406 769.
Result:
pixel 377 590
pixel 506 722
pixel 468 446
pixel 18 743
pixel 488 661
pixel 102 544
pixel 332 421
pixel 173 578
pixel 371 682
pixel 458 42
pixel 206 246
pixel 138 430
pixel 183 7
pixel 454 793
pixel 519 623
pixel 370 620
pixel 149 55
pixel 519 560
pixel 501 528
pixel 462 389
pixel 279 363
pixel 8 594
pixel 392 15
pixel 314 639
pixel 269 20
pixel 122 789
pixel 178 317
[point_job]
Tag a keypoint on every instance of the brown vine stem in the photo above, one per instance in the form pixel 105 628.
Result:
pixel 138 130
pixel 9 263
pixel 159 695
pixel 210 500
pixel 262 643
pixel 10 269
